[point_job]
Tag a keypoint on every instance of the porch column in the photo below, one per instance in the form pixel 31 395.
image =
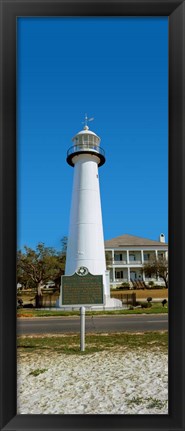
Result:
pixel 142 262
pixel 142 257
pixel 129 275
pixel 156 255
pixel 112 256
pixel 113 274
pixel 127 256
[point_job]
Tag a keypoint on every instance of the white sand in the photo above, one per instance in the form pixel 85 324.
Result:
pixel 109 382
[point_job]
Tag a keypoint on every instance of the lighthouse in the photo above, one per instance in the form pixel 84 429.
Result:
pixel 85 248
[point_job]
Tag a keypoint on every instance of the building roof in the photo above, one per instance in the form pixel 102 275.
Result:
pixel 129 240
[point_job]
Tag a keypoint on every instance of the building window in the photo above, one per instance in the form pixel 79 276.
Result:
pixel 146 256
pixel 119 274
pixel 132 257
pixel 160 255
pixel 118 257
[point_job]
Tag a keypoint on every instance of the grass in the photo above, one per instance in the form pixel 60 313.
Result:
pixel 155 403
pixel 135 401
pixel 37 372
pixel 155 309
pixel 152 403
pixel 94 342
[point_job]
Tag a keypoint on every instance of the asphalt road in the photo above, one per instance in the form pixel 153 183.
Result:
pixel 62 325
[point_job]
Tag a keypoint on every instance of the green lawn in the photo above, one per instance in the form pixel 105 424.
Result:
pixel 156 308
pixel 94 342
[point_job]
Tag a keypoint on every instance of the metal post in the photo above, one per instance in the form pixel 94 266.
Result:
pixel 82 329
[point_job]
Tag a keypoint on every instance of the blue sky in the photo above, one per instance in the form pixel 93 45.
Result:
pixel 116 70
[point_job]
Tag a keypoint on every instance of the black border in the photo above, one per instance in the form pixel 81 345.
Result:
pixel 9 10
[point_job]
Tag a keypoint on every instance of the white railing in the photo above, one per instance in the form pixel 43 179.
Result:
pixel 85 147
pixel 124 262
pixel 118 281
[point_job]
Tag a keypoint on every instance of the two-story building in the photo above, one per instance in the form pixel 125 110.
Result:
pixel 126 255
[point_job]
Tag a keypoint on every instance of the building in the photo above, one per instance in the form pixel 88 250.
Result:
pixel 126 255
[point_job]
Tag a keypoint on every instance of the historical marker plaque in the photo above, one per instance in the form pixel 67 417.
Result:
pixel 78 289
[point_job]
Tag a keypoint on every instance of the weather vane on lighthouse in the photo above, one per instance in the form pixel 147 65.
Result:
pixel 87 120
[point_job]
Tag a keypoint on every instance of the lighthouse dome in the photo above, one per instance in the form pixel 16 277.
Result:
pixel 85 137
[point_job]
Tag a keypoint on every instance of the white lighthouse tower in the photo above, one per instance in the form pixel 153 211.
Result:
pixel 85 249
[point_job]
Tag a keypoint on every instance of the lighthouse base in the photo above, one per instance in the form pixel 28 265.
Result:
pixel 112 302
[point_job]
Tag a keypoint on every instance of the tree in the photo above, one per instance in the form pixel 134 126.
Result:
pixel 64 245
pixel 36 267
pixel 108 259
pixel 157 267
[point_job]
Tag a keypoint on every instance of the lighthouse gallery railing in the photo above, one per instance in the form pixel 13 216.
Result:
pixel 86 147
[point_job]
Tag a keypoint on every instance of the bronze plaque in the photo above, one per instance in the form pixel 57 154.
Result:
pixel 78 289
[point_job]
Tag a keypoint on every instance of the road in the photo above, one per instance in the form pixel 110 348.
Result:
pixel 62 325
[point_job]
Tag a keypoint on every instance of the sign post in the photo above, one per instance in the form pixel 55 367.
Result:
pixel 82 329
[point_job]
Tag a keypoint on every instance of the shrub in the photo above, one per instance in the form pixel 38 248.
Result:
pixel 146 305
pixel 125 284
pixel 149 299
pixel 156 286
pixel 28 306
pixel 159 287
pixel 164 302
